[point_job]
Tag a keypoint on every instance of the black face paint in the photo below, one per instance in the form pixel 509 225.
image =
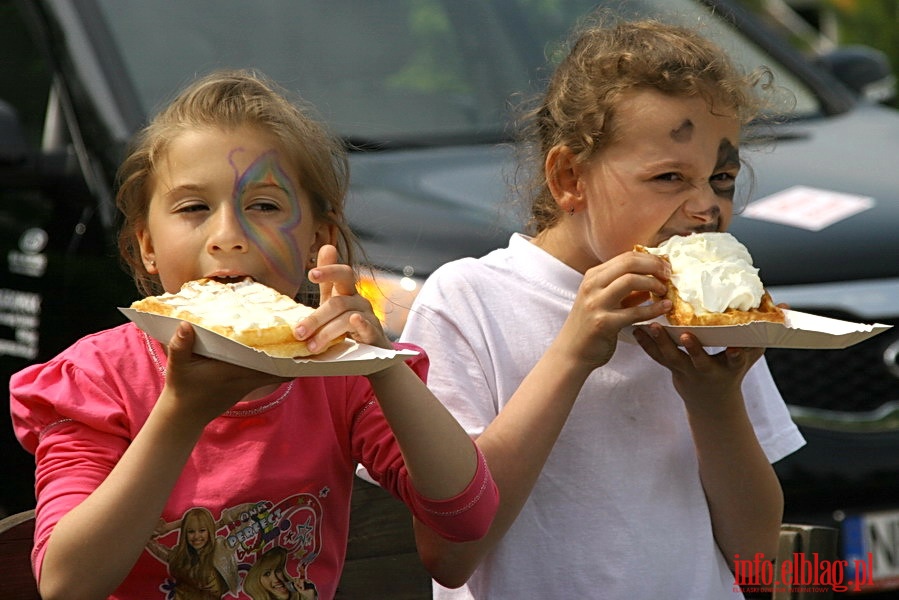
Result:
pixel 728 160
pixel 683 133
pixel 728 155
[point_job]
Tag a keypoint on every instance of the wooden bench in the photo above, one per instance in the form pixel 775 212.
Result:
pixel 16 541
pixel 381 560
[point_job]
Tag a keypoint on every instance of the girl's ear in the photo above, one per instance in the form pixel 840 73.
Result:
pixel 563 178
pixel 325 234
pixel 147 255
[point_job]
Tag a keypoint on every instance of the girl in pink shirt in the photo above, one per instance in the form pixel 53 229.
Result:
pixel 132 437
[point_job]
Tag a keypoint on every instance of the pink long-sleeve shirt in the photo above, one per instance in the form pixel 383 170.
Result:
pixel 268 483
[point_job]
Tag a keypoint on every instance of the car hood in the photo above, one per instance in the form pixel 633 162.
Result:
pixel 414 210
pixel 854 153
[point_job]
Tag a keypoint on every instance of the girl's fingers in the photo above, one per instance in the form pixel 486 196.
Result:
pixel 660 347
pixel 334 318
pixel 182 342
pixel 366 329
pixel 628 280
pixel 645 338
pixel 354 324
pixel 743 357
pixel 327 256
pixel 333 278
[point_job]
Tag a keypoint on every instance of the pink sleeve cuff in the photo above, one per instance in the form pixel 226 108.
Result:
pixel 466 516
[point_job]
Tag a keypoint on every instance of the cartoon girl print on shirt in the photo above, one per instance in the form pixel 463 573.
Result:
pixel 201 565
pixel 292 528
pixel 208 557
pixel 268 579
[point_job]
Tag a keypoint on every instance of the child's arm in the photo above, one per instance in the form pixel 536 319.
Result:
pixel 742 489
pixel 519 440
pixel 123 512
pixel 516 445
pixel 439 455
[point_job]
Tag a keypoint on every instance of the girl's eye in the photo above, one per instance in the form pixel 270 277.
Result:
pixel 669 177
pixel 724 182
pixel 192 207
pixel 724 177
pixel 263 205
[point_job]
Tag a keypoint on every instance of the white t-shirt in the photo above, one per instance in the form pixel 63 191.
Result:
pixel 618 511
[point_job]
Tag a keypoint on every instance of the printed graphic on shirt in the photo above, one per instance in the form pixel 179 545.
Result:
pixel 256 551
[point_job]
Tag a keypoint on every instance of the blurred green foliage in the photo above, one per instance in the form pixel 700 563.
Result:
pixel 873 23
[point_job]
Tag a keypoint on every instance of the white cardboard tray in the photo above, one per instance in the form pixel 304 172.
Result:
pixel 346 358
pixel 800 330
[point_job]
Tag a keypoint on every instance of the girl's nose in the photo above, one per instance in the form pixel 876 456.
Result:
pixel 226 233
pixel 704 204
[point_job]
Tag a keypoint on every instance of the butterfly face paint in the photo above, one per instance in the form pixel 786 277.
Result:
pixel 280 246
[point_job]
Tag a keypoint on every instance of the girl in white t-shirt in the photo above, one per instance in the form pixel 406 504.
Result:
pixel 626 470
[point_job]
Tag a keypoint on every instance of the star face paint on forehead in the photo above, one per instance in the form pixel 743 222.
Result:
pixel 280 248
pixel 683 132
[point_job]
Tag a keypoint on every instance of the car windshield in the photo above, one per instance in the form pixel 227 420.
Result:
pixel 411 72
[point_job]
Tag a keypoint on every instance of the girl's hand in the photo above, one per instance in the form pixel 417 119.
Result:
pixel 703 380
pixel 342 309
pixel 612 296
pixel 161 528
pixel 200 389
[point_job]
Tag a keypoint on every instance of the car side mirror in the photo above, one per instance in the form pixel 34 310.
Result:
pixel 863 70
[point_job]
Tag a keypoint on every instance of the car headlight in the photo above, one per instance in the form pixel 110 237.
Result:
pixel 391 296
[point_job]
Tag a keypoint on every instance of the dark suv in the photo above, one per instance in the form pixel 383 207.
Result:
pixel 421 90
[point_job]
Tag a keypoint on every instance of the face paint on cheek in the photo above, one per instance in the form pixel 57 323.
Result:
pixel 728 159
pixel 280 247
pixel 728 155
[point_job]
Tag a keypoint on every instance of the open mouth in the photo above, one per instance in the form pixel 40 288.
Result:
pixel 231 278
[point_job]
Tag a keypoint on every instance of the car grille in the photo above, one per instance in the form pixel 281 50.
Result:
pixel 854 379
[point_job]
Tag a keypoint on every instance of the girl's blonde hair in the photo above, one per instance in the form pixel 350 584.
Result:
pixel 229 100
pixel 192 568
pixel 604 63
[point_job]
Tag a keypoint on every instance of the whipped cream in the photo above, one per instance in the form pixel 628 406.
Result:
pixel 712 272
pixel 242 305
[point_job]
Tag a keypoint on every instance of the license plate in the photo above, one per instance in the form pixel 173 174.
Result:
pixel 871 550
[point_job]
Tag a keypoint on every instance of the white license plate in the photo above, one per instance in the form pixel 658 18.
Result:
pixel 871 550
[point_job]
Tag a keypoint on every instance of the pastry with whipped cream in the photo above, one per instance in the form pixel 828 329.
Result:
pixel 247 312
pixel 713 281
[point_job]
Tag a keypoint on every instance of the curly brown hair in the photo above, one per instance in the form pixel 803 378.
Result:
pixel 230 100
pixel 606 61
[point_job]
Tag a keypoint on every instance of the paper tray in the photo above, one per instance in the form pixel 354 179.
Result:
pixel 800 330
pixel 346 358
